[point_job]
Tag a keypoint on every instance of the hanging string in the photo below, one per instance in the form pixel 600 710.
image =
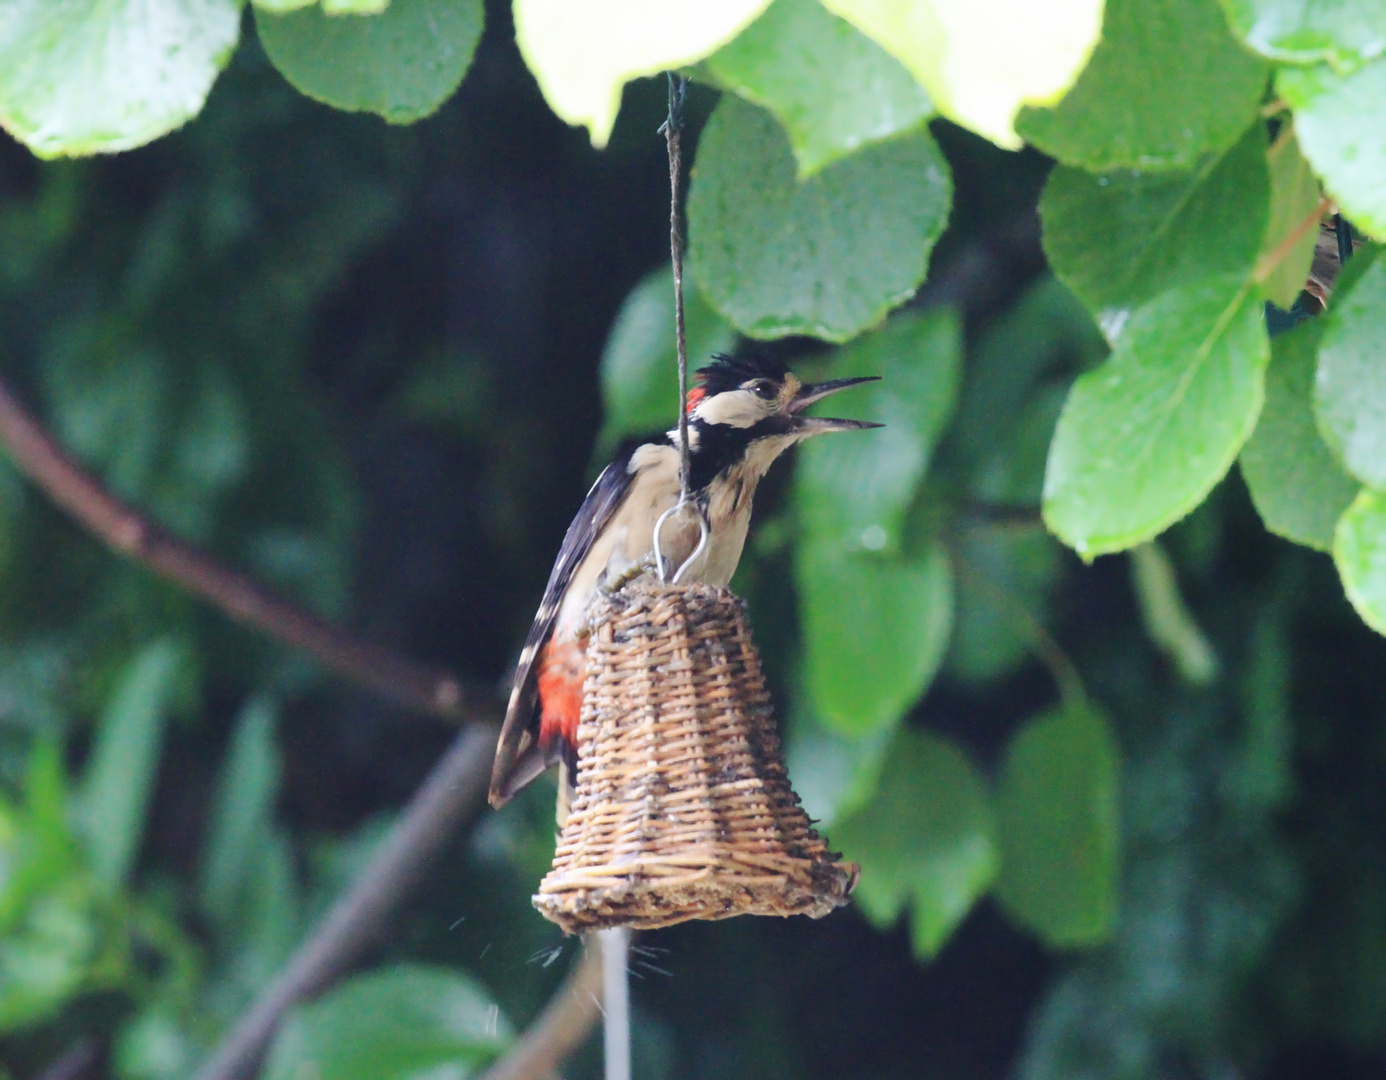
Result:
pixel 673 131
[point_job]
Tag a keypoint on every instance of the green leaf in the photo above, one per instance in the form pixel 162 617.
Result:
pixel 1057 825
pixel 46 957
pixel 242 811
pixel 875 631
pixel 1350 391
pixel 833 774
pixel 1343 32
pixel 119 780
pixel 1004 579
pixel 1337 120
pixel 1169 623
pixel 1121 239
pixel 1166 86
pixel 1298 486
pixel 828 256
pixel 407 1022
pixel 96 76
pixel 582 52
pixel 1014 362
pixel 331 7
pixel 1293 227
pixel 1359 549
pixel 640 382
pixel 834 89
pixel 927 839
pixel 37 848
pixel 402 64
pixel 980 62
pixel 1145 437
pixel 854 488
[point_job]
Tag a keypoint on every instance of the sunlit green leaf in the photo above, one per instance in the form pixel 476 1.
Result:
pixel 1342 32
pixel 241 813
pixel 1297 484
pixel 1144 438
pixel 119 780
pixel 827 256
pixel 1120 239
pixel 853 488
pixel 982 61
pixel 640 383
pixel 1167 85
pixel 402 64
pixel 1350 389
pixel 1337 122
pixel 407 1022
pixel 832 88
pixel 583 51
pixel 95 76
pixel 45 957
pixel 1057 823
pixel 875 630
pixel 1359 549
pixel 925 840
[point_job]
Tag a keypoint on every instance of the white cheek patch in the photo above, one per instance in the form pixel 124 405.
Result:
pixel 735 408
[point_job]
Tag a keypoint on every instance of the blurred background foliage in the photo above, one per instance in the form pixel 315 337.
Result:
pixel 1120 820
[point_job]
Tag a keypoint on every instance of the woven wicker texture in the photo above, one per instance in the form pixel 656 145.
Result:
pixel 683 807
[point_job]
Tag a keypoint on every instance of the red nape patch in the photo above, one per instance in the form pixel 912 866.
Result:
pixel 560 692
pixel 694 396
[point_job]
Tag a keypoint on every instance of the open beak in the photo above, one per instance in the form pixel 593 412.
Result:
pixel 812 392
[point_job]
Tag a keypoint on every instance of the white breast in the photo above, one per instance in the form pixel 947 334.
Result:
pixel 629 537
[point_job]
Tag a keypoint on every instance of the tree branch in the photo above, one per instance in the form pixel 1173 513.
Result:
pixel 353 924
pixel 37 454
pixel 76 1063
pixel 566 1021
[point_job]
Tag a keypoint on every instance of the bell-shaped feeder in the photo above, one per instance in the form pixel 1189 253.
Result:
pixel 683 808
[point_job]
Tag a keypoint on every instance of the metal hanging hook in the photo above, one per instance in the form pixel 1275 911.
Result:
pixel 660 565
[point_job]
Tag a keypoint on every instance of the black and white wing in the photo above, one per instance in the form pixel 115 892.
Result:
pixel 519 758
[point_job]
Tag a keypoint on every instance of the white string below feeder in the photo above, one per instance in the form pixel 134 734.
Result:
pixel 682 807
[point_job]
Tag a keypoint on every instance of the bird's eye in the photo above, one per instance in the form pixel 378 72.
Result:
pixel 766 390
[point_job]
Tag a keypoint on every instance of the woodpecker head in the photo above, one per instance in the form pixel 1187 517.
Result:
pixel 750 410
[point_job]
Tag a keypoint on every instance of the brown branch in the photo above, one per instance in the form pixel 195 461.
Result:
pixel 76 1063
pixel 562 1027
pixel 355 921
pixel 39 457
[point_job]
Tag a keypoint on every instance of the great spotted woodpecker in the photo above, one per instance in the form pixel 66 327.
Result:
pixel 742 415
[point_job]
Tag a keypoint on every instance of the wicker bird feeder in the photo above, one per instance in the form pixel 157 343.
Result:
pixel 683 807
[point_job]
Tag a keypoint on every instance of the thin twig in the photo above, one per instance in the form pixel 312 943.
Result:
pixel 562 1027
pixel 1043 645
pixel 38 455
pixel 355 921
pixel 673 139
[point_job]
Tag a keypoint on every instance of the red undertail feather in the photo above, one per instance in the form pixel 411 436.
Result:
pixel 560 696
